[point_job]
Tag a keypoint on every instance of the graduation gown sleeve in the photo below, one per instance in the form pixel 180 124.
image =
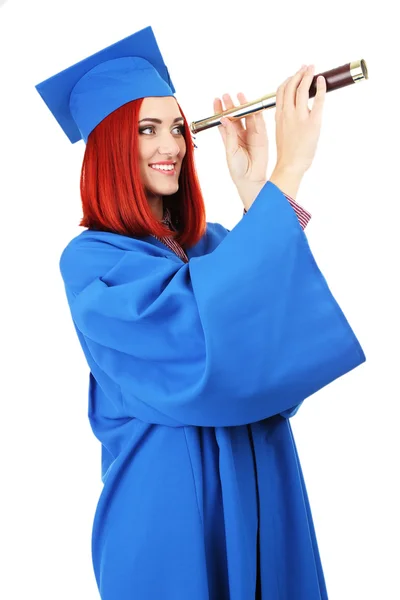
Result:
pixel 235 336
pixel 303 215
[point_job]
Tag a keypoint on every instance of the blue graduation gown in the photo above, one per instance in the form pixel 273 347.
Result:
pixel 195 369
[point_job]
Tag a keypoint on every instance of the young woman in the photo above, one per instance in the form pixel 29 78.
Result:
pixel 201 342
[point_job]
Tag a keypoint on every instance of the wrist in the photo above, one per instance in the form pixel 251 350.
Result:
pixel 287 179
pixel 249 190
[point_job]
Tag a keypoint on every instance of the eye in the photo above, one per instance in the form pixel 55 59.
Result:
pixel 181 129
pixel 143 129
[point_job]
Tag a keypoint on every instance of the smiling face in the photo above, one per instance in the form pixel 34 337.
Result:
pixel 162 145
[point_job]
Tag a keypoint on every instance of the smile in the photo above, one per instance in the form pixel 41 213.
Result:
pixel 164 169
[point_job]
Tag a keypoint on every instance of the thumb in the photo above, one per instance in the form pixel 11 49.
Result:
pixel 230 137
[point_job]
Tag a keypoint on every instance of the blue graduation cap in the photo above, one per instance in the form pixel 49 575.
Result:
pixel 81 96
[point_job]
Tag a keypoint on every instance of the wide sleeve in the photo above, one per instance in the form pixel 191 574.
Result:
pixel 242 333
pixel 302 214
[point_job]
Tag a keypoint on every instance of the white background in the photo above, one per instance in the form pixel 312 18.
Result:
pixel 347 433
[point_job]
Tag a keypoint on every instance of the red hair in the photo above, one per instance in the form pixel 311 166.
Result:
pixel 112 192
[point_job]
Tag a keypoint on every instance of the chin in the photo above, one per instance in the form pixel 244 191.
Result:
pixel 165 190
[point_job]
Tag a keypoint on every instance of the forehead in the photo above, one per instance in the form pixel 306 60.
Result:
pixel 164 107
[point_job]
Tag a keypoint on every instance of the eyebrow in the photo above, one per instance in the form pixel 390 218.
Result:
pixel 159 122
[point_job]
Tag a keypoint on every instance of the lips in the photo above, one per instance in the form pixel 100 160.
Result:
pixel 169 172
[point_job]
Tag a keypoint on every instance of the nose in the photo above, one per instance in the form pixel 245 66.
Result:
pixel 168 145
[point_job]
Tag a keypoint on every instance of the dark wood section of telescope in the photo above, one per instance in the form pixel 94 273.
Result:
pixel 335 79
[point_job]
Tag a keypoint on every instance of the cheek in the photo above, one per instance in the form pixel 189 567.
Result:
pixel 146 151
pixel 182 148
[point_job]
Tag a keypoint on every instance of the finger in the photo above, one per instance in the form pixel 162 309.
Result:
pixel 280 93
pixel 231 136
pixel 217 105
pixel 229 104
pixel 319 100
pixel 303 92
pixel 291 88
pixel 227 101
pixel 250 121
pixel 228 129
pixel 242 98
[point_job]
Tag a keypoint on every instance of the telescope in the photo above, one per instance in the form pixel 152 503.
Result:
pixel 343 76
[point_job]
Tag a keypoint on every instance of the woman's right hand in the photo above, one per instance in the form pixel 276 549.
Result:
pixel 297 127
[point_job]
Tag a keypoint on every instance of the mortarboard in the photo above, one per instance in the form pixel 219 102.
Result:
pixel 81 96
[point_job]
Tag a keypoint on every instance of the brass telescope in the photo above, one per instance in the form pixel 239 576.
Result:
pixel 335 78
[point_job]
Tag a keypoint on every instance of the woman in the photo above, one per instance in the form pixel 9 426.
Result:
pixel 201 342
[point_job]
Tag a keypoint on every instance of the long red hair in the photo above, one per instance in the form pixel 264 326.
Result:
pixel 112 192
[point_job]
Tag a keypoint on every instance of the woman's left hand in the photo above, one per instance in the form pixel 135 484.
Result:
pixel 246 146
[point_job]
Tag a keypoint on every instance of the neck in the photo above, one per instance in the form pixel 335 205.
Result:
pixel 157 207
